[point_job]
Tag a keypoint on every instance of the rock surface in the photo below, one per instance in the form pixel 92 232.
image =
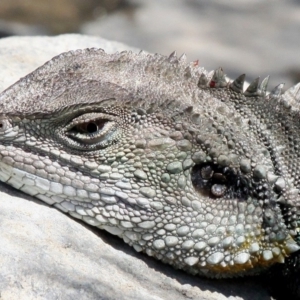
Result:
pixel 45 254
pixel 53 17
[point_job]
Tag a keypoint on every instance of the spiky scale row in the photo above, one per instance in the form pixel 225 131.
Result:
pixel 264 85
pixel 218 79
pixel 254 89
pixel 238 84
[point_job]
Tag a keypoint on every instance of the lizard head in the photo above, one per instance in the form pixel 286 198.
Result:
pixel 181 164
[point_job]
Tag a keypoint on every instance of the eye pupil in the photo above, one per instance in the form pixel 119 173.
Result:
pixel 91 127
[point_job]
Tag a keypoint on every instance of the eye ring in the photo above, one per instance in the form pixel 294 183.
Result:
pixel 90 131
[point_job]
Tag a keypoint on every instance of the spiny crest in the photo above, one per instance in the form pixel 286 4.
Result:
pixel 291 98
pixel 203 80
pixel 263 86
pixel 253 89
pixel 182 58
pixel 218 79
pixel 238 84
pixel 277 91
pixel 173 56
pixel 142 52
pixel 294 92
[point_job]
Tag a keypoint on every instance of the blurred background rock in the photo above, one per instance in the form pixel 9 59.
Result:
pixel 259 37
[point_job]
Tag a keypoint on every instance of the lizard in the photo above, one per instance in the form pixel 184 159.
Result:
pixel 182 164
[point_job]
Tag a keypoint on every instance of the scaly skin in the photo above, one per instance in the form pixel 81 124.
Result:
pixel 181 164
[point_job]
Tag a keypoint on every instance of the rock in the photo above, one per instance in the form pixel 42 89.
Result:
pixel 56 16
pixel 45 254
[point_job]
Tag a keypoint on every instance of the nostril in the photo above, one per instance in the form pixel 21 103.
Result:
pixel 206 172
pixel 203 177
pixel 215 181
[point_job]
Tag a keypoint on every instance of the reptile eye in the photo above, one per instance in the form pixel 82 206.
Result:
pixel 91 127
pixel 90 131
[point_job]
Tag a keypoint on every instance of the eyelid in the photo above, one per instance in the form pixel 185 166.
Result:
pixel 90 138
pixel 85 118
pixel 73 136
